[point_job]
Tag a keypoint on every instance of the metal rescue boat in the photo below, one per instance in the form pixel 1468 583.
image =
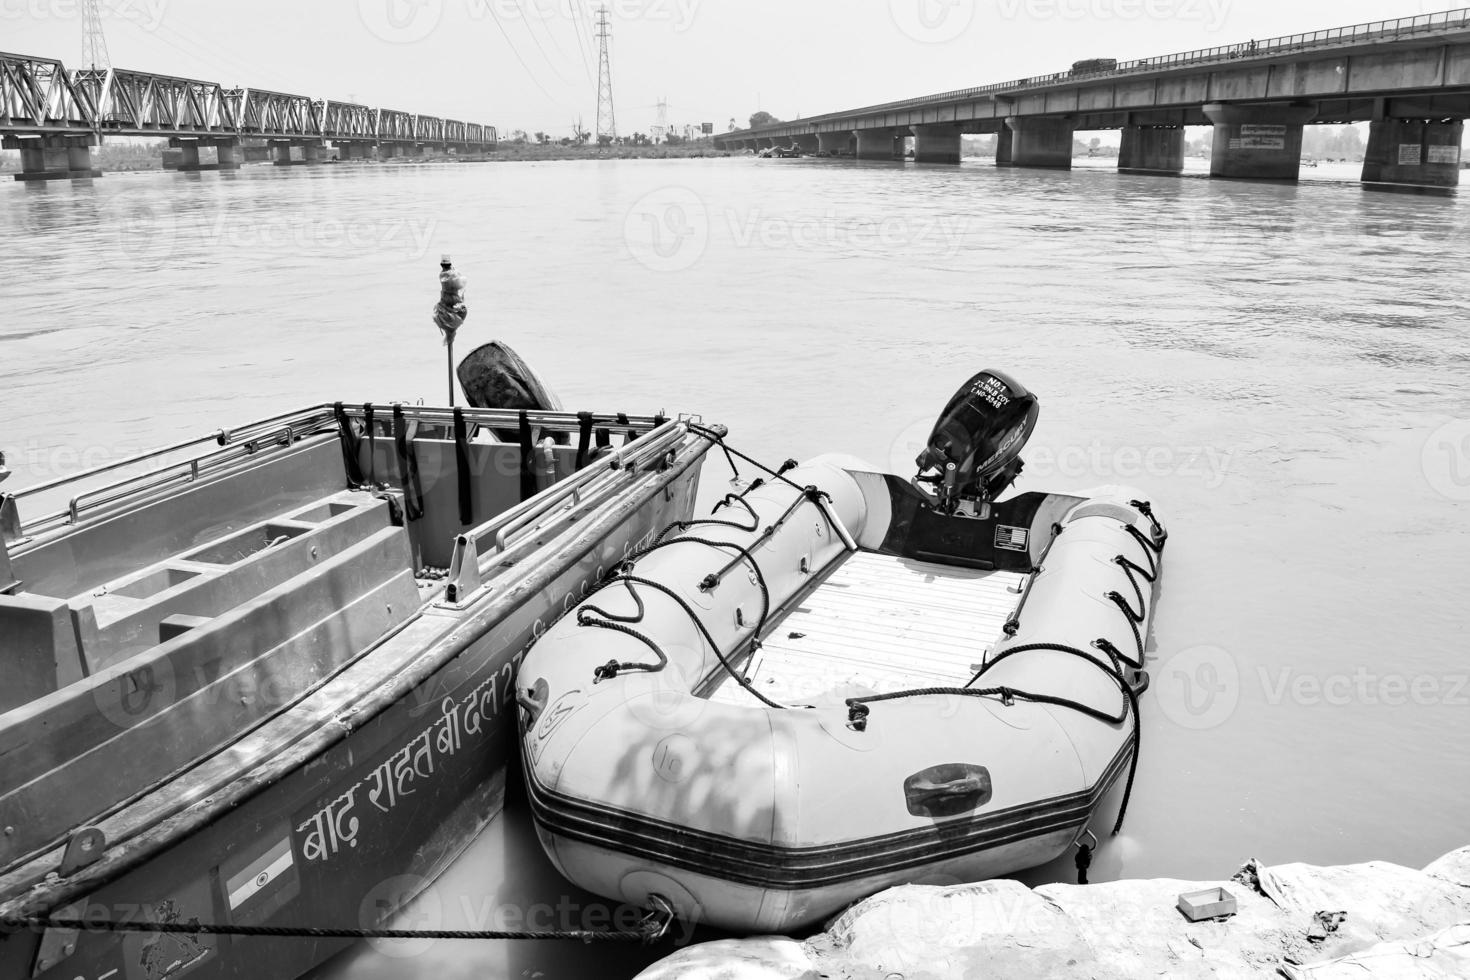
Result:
pixel 268 681
pixel 847 680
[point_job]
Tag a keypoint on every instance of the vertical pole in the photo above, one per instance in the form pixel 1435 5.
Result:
pixel 450 349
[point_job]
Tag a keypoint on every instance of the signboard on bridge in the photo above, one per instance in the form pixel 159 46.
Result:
pixel 1260 136
pixel 707 128
pixel 1410 154
pixel 1259 143
pixel 1444 154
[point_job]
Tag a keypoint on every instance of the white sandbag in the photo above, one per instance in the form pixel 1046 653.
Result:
pixel 1445 955
pixel 1128 929
pixel 766 958
pixel 1453 867
pixel 1135 929
pixel 999 928
pixel 1384 902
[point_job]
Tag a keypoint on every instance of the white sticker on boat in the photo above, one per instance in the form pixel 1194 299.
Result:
pixel 1011 538
pixel 259 874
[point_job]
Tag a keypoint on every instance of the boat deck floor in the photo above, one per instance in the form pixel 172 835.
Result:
pixel 880 623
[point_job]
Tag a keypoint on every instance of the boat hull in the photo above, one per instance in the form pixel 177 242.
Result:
pixel 341 828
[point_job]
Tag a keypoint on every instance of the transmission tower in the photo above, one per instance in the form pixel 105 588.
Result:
pixel 94 52
pixel 607 125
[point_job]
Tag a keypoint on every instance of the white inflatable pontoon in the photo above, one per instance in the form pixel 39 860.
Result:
pixel 846 680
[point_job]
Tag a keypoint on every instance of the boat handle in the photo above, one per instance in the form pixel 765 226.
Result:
pixel 947 790
pixel 967 786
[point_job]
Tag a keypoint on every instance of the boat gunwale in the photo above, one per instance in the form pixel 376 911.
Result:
pixel 32 890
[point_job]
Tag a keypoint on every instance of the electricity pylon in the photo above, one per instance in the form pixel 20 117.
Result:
pixel 94 49
pixel 607 124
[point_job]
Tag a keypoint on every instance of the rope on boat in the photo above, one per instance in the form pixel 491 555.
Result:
pixel 653 928
pixel 858 707
pixel 594 616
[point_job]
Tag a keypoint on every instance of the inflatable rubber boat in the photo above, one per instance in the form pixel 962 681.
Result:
pixel 844 680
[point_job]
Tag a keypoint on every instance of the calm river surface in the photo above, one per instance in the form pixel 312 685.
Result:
pixel 1284 370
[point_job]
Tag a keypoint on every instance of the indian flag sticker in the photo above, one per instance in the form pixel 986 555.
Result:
pixel 263 883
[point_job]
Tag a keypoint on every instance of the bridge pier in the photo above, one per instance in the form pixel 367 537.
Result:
pixel 283 152
pixel 1152 150
pixel 54 157
pixel 1040 141
pixel 229 154
pixel 352 150
pixel 1004 146
pixel 937 143
pixel 879 144
pixel 808 144
pixel 1257 142
pixel 839 143
pixel 1414 152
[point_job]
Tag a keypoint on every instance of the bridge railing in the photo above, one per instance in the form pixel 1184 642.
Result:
pixel 1382 30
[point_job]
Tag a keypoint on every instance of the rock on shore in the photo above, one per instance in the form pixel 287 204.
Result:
pixel 1360 921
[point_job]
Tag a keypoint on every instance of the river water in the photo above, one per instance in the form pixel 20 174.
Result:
pixel 1283 370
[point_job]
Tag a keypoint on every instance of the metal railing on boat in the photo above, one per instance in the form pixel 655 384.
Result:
pixel 593 484
pixel 252 441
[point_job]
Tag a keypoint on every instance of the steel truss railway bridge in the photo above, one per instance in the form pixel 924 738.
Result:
pixel 1409 78
pixel 55 117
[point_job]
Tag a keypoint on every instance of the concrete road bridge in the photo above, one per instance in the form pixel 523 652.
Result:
pixel 55 117
pixel 1409 78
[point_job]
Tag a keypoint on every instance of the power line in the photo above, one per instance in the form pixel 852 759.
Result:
pixel 574 8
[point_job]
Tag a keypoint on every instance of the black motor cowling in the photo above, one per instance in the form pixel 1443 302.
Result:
pixel 974 450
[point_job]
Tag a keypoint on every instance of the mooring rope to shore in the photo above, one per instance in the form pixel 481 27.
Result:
pixel 653 928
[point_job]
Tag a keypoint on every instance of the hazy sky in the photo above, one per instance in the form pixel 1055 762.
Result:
pixel 532 63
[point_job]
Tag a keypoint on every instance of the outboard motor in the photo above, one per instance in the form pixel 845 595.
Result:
pixel 974 452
